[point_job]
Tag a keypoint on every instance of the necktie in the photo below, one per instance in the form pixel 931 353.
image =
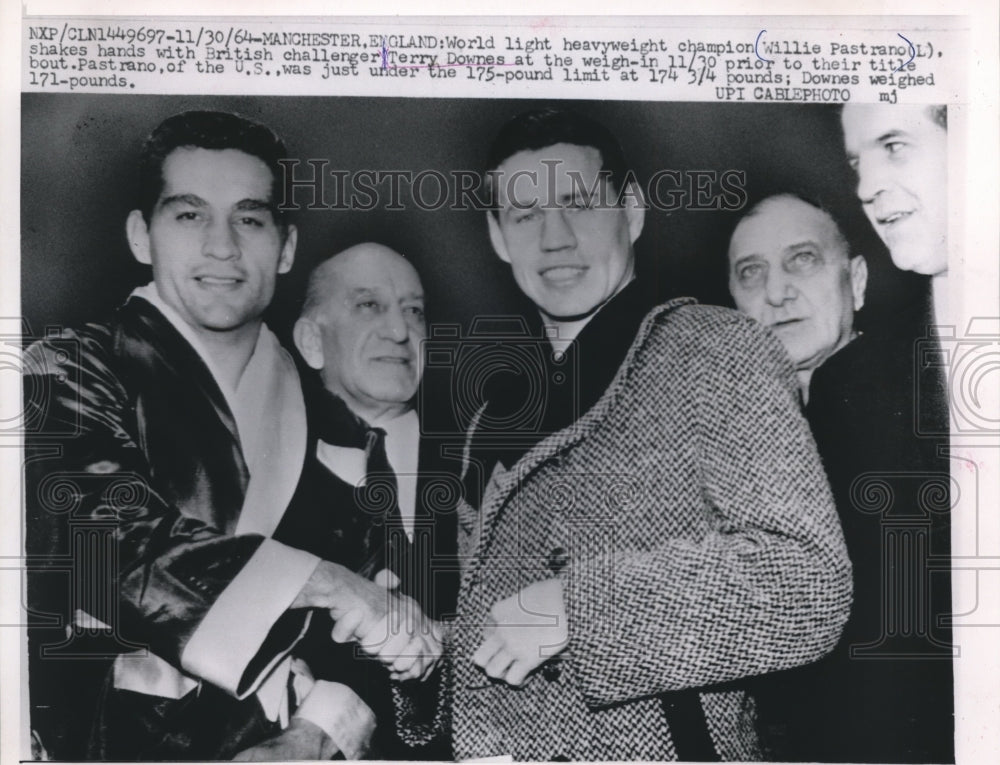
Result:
pixel 377 500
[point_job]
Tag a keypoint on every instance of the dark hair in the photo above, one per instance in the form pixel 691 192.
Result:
pixel 206 130
pixel 940 115
pixel 541 128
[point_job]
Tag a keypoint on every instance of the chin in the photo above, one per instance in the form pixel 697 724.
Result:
pixel 561 309
pixel 916 258
pixel 920 252
pixel 396 394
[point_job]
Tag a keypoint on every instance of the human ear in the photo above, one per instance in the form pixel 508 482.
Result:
pixel 287 256
pixel 635 210
pixel 496 237
pixel 137 233
pixel 859 280
pixel 309 341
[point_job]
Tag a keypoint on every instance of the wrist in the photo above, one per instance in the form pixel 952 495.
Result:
pixel 323 588
pixel 315 739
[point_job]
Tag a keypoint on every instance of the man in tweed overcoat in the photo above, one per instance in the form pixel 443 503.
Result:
pixel 662 529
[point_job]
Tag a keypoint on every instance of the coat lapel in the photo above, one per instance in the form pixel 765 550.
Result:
pixel 503 484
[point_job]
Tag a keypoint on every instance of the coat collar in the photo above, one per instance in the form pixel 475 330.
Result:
pixel 496 497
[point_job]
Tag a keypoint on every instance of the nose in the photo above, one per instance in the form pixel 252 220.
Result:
pixel 871 179
pixel 394 326
pixel 778 288
pixel 556 232
pixel 220 242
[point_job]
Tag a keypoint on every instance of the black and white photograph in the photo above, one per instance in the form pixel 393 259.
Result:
pixel 419 427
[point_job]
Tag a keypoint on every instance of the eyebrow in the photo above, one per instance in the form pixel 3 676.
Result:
pixel 515 205
pixel 244 205
pixel 183 199
pixel 563 199
pixel 803 243
pixel 894 133
pixel 248 205
pixel 743 259
pixel 375 292
pixel 886 136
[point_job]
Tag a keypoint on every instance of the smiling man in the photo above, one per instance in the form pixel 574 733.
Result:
pixel 879 412
pixel 791 269
pixel 362 329
pixel 900 156
pixel 181 426
pixel 662 530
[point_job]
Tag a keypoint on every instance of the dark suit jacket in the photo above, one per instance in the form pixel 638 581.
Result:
pixel 878 411
pixel 880 420
pixel 324 518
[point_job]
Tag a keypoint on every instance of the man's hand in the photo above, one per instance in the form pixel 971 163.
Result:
pixel 387 625
pixel 524 631
pixel 301 740
pixel 402 638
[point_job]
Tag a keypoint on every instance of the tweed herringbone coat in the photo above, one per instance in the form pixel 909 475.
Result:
pixel 692 526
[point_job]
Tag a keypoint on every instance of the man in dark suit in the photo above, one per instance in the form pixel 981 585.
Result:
pixel 878 409
pixel 376 480
pixel 884 694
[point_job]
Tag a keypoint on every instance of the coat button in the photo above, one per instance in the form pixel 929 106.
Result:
pixel 551 671
pixel 557 560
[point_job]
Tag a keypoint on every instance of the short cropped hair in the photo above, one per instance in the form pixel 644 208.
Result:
pixel 541 128
pixel 207 130
pixel 939 114
pixel 838 223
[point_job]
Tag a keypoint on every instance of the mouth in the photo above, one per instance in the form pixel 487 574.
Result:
pixel 785 324
pixel 218 282
pixel 562 275
pixel 404 361
pixel 893 217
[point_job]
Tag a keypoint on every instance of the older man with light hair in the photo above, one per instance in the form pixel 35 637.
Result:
pixel 373 480
pixel 791 269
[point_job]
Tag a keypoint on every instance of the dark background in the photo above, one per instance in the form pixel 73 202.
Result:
pixel 79 183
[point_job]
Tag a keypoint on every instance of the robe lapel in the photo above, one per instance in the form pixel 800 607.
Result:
pixel 164 350
pixel 179 400
pixel 275 437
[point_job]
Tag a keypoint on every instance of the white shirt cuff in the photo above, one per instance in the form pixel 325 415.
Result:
pixel 233 631
pixel 342 714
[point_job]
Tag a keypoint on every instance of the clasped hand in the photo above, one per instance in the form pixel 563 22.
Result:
pixel 522 632
pixel 386 624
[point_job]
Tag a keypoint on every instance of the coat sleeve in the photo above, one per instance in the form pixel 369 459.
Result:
pixel 765 587
pixel 156 577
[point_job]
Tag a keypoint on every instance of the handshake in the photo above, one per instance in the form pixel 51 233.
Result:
pixel 387 625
